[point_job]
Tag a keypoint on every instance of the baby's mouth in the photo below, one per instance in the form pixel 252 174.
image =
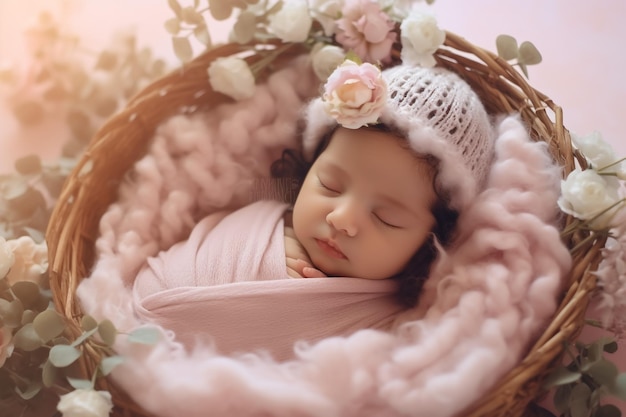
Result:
pixel 330 248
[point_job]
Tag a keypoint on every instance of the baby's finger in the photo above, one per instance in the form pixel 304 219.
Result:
pixel 310 272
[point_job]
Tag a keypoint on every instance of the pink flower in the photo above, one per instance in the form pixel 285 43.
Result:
pixel 354 94
pixel 6 347
pixel 367 30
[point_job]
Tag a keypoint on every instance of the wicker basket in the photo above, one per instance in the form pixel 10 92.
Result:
pixel 92 187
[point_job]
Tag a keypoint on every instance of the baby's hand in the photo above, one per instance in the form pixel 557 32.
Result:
pixel 308 271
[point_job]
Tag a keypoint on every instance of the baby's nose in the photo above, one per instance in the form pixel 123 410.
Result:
pixel 343 219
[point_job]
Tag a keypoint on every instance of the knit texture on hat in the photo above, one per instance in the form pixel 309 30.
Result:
pixel 440 115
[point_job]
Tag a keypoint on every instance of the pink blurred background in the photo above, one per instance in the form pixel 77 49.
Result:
pixel 581 43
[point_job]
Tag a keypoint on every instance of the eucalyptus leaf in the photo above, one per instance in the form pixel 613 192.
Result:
pixel 14 188
pixel 11 312
pixel 528 54
pixel 144 335
pixel 28 112
pixel 561 398
pixel 88 323
pixel 608 410
pixel 560 376
pixel 579 400
pixel 611 347
pixel 63 355
pixel 28 316
pixel 86 335
pixel 27 202
pixel 48 325
pixel 604 372
pixel 78 383
pixel 48 374
pixel 191 16
pixel 27 292
pixel 107 331
pixel 220 9
pixel 506 46
pixel 201 32
pixel 182 48
pixel 34 387
pixel 176 8
pixel 244 28
pixel 27 339
pixel 107 61
pixel 172 26
pixel 618 388
pixel 28 165
pixel 109 363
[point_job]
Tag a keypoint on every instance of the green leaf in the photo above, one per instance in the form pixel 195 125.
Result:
pixel 86 335
pixel 202 35
pixel 78 383
pixel 88 323
pixel 48 374
pixel 28 112
pixel 191 16
pixel 144 335
pixel 63 355
pixel 107 61
pixel 561 376
pixel 244 28
pixel 48 325
pixel 11 312
pixel 528 54
pixel 220 9
pixel 176 8
pixel 28 165
pixel 27 292
pixel 608 410
pixel 579 400
pixel 109 363
pixel 172 26
pixel 182 48
pixel 27 339
pixel 506 46
pixel 108 332
pixel 34 387
pixel 561 398
pixel 618 388
pixel 604 372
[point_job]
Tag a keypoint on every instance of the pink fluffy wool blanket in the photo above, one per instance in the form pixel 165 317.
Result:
pixel 486 299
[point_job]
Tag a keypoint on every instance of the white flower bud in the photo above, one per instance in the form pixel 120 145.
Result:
pixel 586 194
pixel 292 23
pixel 420 37
pixel 595 148
pixel 232 76
pixel 85 403
pixel 325 59
pixel 326 12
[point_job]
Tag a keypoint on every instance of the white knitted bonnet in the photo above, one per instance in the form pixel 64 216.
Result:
pixel 440 115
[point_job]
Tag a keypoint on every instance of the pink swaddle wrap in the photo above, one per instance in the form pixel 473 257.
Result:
pixel 228 284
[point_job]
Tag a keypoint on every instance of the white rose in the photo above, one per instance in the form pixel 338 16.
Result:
pixel 599 152
pixel 292 23
pixel 327 12
pixel 232 76
pixel 325 59
pixel 31 260
pixel 7 259
pixel 85 403
pixel 586 194
pixel 420 37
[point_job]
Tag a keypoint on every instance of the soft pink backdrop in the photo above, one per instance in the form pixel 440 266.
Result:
pixel 581 42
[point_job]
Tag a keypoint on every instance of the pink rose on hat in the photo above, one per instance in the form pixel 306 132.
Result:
pixel 367 30
pixel 355 94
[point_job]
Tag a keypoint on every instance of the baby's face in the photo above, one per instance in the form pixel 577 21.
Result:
pixel 365 206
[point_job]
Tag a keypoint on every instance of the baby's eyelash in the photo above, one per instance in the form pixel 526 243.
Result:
pixel 393 226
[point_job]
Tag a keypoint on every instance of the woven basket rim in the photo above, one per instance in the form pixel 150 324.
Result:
pixel 92 186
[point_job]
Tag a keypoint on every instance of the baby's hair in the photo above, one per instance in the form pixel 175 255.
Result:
pixel 294 165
